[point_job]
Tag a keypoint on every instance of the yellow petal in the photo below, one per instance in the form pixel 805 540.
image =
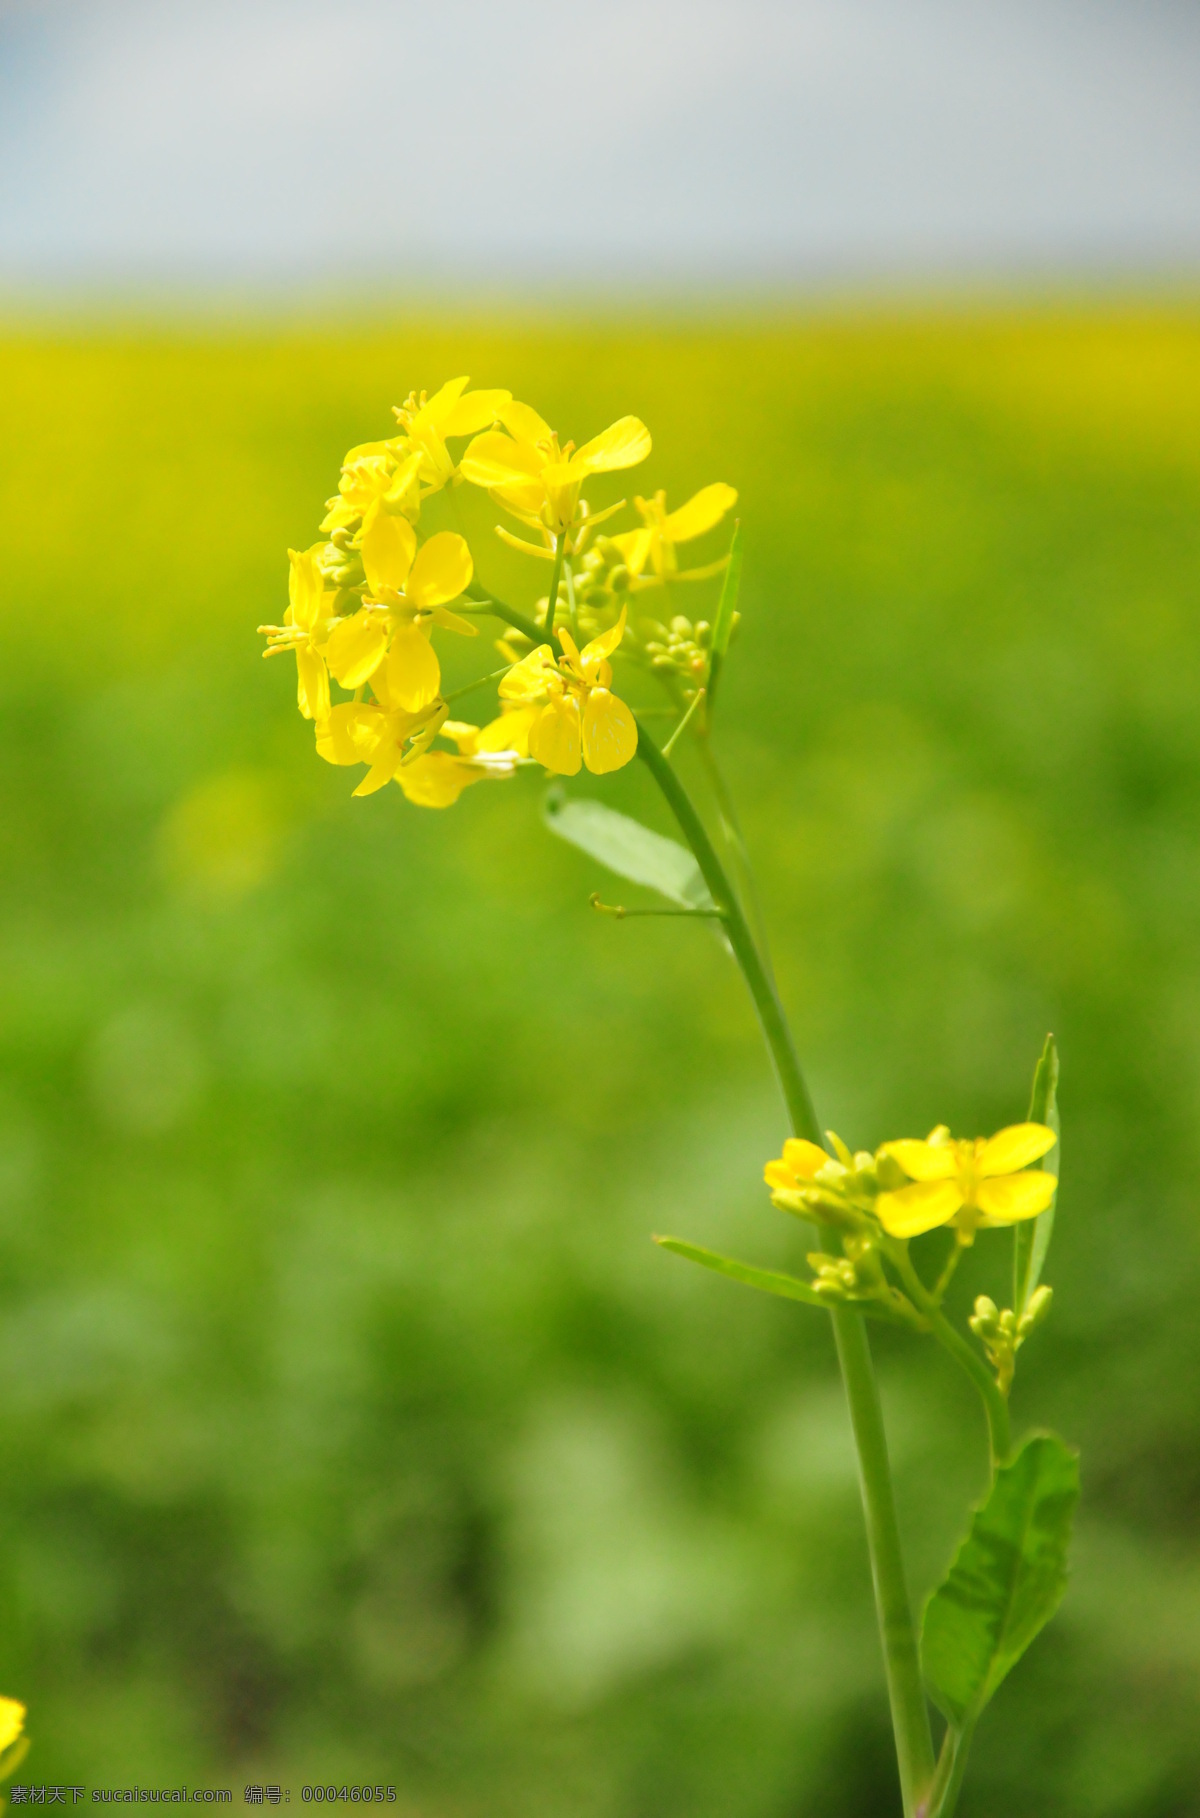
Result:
pixel 924 1161
pixel 478 410
pixel 635 548
pixel 510 732
pixel 1015 1196
pixel 404 493
pixel 388 548
pixel 442 402
pixel 803 1158
pixel 442 570
pixel 312 684
pixel 453 621
pixel 12 1722
pixel 522 421
pixel 350 733
pixel 437 779
pixel 465 736
pixel 413 672
pixel 610 733
pixel 603 646
pixel 918 1208
pixel 529 679
pixel 494 459
pixel 1015 1147
pixel 381 772
pixel 554 736
pixel 622 444
pixel 702 511
pixel 306 588
pixel 356 647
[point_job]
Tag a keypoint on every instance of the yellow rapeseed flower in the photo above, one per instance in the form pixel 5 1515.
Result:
pixel 395 745
pixel 305 629
pixel 974 1183
pixel 427 422
pixel 799 1164
pixel 536 480
pixel 662 530
pixel 564 714
pixel 373 482
pixel 409 589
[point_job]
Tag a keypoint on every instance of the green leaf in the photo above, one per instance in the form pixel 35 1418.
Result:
pixel 1007 1580
pixel 628 848
pixel 1031 1238
pixel 726 607
pixel 788 1287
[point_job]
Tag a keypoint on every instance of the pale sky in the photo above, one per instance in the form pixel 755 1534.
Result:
pixel 622 141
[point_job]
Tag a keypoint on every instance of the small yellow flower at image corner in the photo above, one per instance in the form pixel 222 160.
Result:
pixel 14 1743
pixel 973 1183
pixel 662 530
pixel 564 714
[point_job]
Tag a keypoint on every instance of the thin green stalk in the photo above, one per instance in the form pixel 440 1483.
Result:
pixel 775 1030
pixel 968 1359
pixel 560 549
pixel 910 1713
pixel 948 1777
pixel 736 840
pixel 684 723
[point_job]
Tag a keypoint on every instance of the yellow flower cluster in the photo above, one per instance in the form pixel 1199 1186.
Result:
pixel 365 600
pixel 910 1186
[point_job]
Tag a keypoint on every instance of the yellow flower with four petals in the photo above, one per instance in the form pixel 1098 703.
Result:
pixel 661 530
pixel 409 590
pixel 564 714
pixel 977 1182
pixel 526 471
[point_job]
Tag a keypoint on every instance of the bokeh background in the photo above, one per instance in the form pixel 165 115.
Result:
pixel 351 1426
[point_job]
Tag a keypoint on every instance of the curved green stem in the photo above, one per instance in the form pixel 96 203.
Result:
pixel 967 1358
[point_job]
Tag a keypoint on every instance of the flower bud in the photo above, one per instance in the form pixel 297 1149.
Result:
pixel 1036 1311
pixel 888 1172
pixel 985 1321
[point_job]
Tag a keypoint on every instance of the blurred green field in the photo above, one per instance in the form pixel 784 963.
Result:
pixel 351 1428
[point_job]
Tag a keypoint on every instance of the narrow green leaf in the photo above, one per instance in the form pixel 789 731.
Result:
pixel 726 607
pixel 628 848
pixel 1007 1580
pixel 789 1287
pixel 1031 1238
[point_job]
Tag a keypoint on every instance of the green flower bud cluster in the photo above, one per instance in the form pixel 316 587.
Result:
pixel 1002 1333
pixel 680 647
pixel 857 1276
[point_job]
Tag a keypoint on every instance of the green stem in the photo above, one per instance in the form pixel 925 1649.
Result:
pixel 735 838
pixel 948 1777
pixel 910 1714
pixel 775 1030
pixel 995 1406
pixel 560 549
pixel 967 1358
